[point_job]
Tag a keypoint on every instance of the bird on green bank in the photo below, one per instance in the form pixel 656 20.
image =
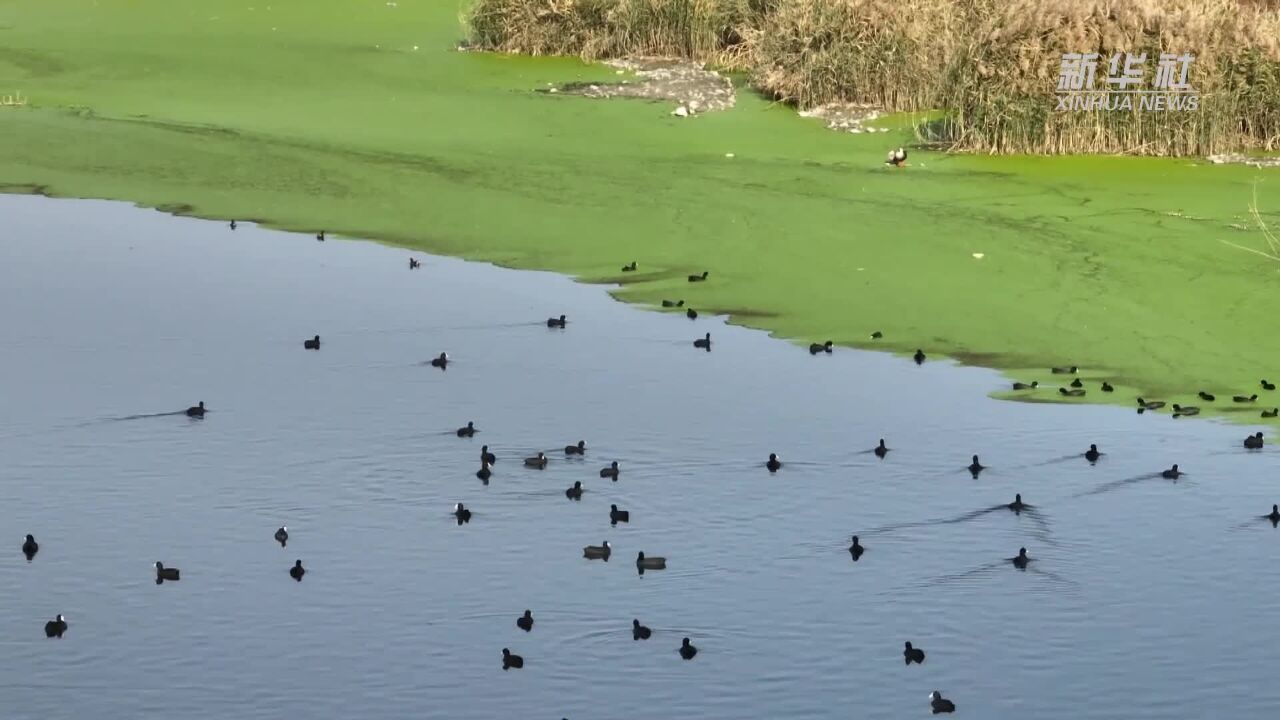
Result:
pixel 1107 387
pixel 815 348
pixel 1180 410
pixel 1150 405
pixel 897 158
pixel 1073 392
pixel 699 278
pixel 631 267
pixel 1207 397
pixel 1026 386
pixel 877 335
pixel 672 303
pixel 1244 398
pixel 1077 383
pixel 1268 386
pixel 1071 370
pixel 1273 412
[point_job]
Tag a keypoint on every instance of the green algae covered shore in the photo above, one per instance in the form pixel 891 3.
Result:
pixel 361 118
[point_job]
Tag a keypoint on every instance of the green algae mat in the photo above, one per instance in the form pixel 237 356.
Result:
pixel 361 118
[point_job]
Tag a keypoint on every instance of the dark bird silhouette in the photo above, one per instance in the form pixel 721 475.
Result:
pixel 629 267
pixel 856 549
pixel 691 314
pixel 597 552
pixel 877 335
pixel 672 303
pixel 1244 398
pixel 815 348
pixel 610 472
pixel 1074 392
pixel 1171 474
pixel 650 563
pixel 30 547
pixel 55 627
pixel 164 573
pixel 320 236
pixel 282 535
pixel 575 492
pixel 297 571
pixel 461 513
pixel 704 343
pixel 1151 405
pixel 441 362
pixel 639 632
pixel 1207 397
pixel 525 622
pixel 976 467
pixel 940 704
pixel 468 431
pixel 616 516
pixel 414 264
pixel 919 357
pixel 912 654
pixel 1188 410
pixel 484 473
pixel 1268 386
pixel 1253 442
pixel 880 450
pixel 486 456
pixel 1274 517
pixel 699 278
pixel 774 464
pixel 1107 387
pixel 1273 412
pixel 196 411
pixel 511 660
pixel 1092 454
pixel 556 322
pixel 1077 383
pixel 233 224
pixel 1017 505
pixel 897 158
pixel 539 461
pixel 1071 370
pixel 687 651
pixel 579 449
pixel 1026 386
pixel 312 344
pixel 1020 560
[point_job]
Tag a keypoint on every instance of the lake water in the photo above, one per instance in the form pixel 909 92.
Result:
pixel 1149 598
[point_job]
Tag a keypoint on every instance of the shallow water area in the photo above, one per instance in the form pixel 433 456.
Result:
pixel 1147 598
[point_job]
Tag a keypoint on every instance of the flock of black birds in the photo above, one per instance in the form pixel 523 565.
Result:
pixel 57 627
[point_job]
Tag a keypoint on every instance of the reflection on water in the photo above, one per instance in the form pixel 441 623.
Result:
pixel 117 319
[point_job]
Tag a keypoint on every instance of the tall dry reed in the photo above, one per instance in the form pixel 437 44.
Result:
pixel 990 65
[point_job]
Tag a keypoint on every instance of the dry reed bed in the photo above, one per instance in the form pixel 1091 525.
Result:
pixel 991 65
